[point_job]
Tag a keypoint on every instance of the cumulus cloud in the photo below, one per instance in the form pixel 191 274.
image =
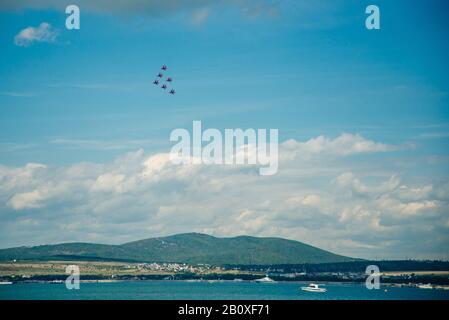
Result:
pixel 352 183
pixel 26 200
pixel 344 145
pixel 109 182
pixel 43 33
pixel 315 198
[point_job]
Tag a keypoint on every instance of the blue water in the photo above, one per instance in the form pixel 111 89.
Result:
pixel 215 290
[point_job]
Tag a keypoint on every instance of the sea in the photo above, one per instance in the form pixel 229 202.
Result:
pixel 226 290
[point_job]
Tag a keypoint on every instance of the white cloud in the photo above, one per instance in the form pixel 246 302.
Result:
pixel 352 183
pixel 420 193
pixel 43 33
pixel 26 200
pixel 412 208
pixel 109 182
pixel 316 197
pixel 344 145
pixel 308 200
pixel 395 206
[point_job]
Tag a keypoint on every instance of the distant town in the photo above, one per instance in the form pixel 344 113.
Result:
pixel 432 274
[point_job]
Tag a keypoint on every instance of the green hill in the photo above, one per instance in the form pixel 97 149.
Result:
pixel 191 248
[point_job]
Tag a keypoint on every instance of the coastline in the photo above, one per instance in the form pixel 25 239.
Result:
pixel 106 272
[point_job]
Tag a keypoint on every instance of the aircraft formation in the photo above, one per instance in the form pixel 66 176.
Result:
pixel 160 82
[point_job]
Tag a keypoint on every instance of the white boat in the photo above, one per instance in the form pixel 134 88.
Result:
pixel 5 282
pixel 313 288
pixel 265 279
pixel 425 286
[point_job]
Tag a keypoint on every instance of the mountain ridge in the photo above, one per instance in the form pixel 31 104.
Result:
pixel 193 248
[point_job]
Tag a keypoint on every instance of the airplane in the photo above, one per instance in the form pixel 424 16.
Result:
pixel 172 91
pixel 164 67
pixel 156 82
pixel 164 86
pixel 160 75
pixel 169 79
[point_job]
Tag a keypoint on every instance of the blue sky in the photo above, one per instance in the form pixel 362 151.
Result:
pixel 306 68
